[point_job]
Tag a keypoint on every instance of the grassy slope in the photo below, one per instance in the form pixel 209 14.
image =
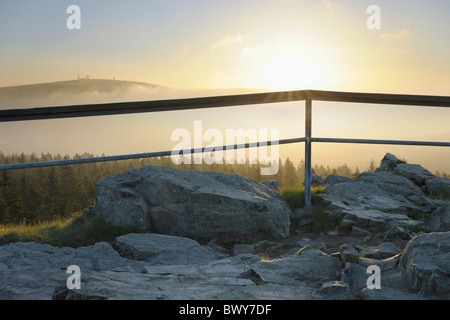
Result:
pixel 75 231
pixel 81 230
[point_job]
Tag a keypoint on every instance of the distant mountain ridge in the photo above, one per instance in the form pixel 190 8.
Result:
pixel 82 85
pixel 84 90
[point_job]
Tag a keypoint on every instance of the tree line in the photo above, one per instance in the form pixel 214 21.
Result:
pixel 41 194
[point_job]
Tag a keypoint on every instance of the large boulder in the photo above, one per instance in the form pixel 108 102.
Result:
pixel 193 204
pixel 425 262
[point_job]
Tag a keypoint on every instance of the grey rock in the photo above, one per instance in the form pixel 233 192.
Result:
pixel 272 184
pixel 33 270
pixel 388 163
pixel 193 204
pixel 158 249
pixel 382 251
pixel 391 183
pixel 213 245
pixel 397 234
pixel 438 187
pixel 163 221
pixel 425 262
pixel 438 220
pixel 374 221
pixel 315 179
pixel 349 253
pixel 311 266
pixel 334 179
pixel 356 231
pixel 384 264
pixel 392 282
pixel 366 206
pixel 364 195
pixel 355 276
pixel 333 290
pixel 414 172
pixel 389 294
pixel 243 249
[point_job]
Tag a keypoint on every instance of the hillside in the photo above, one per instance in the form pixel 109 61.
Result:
pixel 73 92
pixel 84 85
pixel 86 90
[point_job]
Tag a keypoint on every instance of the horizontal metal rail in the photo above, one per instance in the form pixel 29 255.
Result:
pixel 185 152
pixel 373 141
pixel 90 110
pixel 308 96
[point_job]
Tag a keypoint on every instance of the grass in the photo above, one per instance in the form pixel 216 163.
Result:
pixel 321 220
pixel 401 160
pixel 295 196
pixel 441 194
pixel 74 231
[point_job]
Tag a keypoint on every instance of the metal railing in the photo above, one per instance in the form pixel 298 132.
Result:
pixel 225 101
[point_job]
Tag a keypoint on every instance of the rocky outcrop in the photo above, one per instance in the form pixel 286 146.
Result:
pixel 38 271
pixel 194 204
pixel 384 221
pixel 397 200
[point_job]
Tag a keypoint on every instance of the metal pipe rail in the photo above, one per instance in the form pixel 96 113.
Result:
pixel 225 101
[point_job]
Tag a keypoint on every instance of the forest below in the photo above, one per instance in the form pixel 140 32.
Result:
pixel 41 194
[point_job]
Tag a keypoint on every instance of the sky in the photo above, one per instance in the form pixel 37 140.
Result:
pixel 264 44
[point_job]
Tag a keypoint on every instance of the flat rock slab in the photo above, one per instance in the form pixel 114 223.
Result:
pixel 413 172
pixel 391 183
pixel 158 249
pixel 364 195
pixel 374 220
pixel 33 270
pixel 382 251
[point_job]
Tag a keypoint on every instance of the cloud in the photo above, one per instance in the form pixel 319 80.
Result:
pixel 252 51
pixel 403 33
pixel 228 41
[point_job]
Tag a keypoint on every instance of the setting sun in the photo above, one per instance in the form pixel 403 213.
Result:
pixel 289 72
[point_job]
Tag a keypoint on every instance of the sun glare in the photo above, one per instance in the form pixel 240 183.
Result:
pixel 290 72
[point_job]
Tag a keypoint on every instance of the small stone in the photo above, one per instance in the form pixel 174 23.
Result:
pixel 348 253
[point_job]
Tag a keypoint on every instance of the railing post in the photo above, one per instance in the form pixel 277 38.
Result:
pixel 308 121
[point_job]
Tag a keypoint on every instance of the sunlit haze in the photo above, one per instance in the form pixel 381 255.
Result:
pixel 199 47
